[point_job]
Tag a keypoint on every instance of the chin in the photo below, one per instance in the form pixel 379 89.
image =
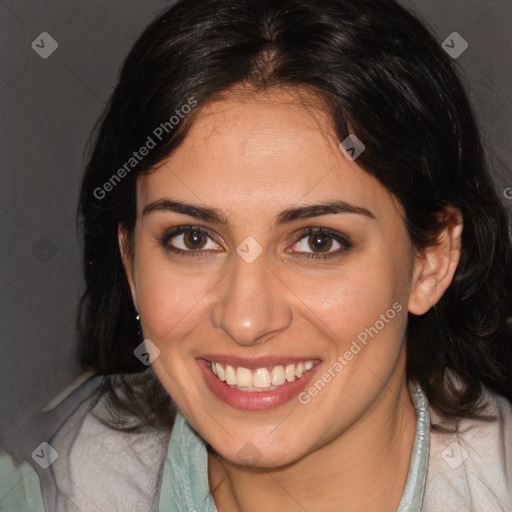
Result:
pixel 262 453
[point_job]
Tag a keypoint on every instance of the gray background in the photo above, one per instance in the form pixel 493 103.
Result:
pixel 48 107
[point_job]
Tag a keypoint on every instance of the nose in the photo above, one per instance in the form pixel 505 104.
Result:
pixel 251 303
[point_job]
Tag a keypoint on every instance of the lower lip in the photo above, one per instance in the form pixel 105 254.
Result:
pixel 255 400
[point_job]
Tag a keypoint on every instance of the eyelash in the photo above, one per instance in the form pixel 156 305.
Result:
pixel 338 237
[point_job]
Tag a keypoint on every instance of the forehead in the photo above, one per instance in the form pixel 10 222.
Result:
pixel 277 148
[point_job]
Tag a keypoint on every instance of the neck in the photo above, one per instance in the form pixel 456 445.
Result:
pixel 364 468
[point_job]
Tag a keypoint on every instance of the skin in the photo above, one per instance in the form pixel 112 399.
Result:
pixel 251 156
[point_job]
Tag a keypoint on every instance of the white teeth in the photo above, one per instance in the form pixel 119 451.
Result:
pixel 220 371
pixel 243 377
pixel 230 375
pixel 277 376
pixel 261 379
pixel 290 373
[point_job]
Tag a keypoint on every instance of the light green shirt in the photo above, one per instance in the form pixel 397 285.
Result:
pixel 185 475
pixel 105 470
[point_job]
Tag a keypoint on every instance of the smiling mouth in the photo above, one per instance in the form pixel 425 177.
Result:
pixel 259 379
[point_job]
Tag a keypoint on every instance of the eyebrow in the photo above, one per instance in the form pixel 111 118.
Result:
pixel 215 216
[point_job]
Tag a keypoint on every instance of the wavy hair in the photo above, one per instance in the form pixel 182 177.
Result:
pixel 383 77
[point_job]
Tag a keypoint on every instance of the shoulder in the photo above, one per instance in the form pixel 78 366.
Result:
pixel 471 470
pixel 98 467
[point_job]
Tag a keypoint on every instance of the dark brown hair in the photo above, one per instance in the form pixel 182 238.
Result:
pixel 384 78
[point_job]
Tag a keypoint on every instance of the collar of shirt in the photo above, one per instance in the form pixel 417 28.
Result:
pixel 185 478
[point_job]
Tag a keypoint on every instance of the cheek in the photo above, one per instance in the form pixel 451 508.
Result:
pixel 170 302
pixel 345 302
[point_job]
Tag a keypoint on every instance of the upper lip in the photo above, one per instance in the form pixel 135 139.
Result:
pixel 256 362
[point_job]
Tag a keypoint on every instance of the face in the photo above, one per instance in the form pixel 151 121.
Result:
pixel 287 298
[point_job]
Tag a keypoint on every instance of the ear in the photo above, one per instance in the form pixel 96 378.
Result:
pixel 435 267
pixel 125 247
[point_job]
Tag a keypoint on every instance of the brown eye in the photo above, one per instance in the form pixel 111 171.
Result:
pixel 189 241
pixel 194 239
pixel 320 241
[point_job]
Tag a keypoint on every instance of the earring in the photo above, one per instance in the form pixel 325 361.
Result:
pixel 139 327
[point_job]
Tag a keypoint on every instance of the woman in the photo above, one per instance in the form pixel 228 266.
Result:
pixel 298 274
